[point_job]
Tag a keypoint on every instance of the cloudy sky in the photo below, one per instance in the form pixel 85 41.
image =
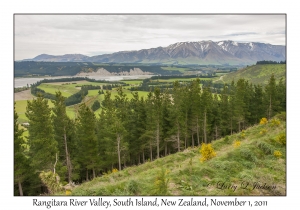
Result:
pixel 99 34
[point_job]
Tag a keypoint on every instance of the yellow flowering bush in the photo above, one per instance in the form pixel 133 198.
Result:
pixel 263 121
pixel 237 143
pixel 114 170
pixel 207 152
pixel 281 138
pixel 277 154
pixel 263 131
pixel 68 192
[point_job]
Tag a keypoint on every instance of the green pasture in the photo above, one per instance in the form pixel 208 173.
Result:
pixel 132 82
pixel 66 90
pixel 21 109
pixel 258 74
pixel 169 68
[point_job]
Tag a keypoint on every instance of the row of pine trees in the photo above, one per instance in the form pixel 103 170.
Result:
pixel 131 132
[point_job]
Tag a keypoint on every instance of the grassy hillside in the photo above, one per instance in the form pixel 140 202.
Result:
pixel 250 168
pixel 256 74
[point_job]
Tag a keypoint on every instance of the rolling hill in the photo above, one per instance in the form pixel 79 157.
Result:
pixel 256 74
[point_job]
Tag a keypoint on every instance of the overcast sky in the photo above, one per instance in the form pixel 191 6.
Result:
pixel 99 34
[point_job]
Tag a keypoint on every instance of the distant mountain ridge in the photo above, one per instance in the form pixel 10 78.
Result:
pixel 202 52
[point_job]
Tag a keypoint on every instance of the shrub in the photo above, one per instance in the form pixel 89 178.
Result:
pixel 207 152
pixel 263 121
pixel 242 134
pixel 51 180
pixel 263 131
pixel 161 183
pixel 226 139
pixel 281 138
pixel 248 154
pixel 68 192
pixel 275 122
pixel 237 143
pixel 114 170
pixel 133 187
pixel 277 154
pixel 281 116
pixel 265 147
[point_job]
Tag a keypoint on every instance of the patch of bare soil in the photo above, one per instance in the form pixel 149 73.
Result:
pixel 23 95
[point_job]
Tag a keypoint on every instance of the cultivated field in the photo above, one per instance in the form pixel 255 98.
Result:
pixel 69 88
pixel 23 95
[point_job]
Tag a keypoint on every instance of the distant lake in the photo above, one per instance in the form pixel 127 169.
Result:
pixel 21 82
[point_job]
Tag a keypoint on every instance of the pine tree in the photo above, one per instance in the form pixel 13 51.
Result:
pixel 167 123
pixel 60 124
pixel 206 105
pixel 157 105
pixel 240 104
pixel 216 116
pixel 225 110
pixel 195 111
pixel 281 89
pixel 177 114
pixel 149 134
pixel 136 126
pixel 271 97
pixel 257 109
pixel 43 146
pixel 20 161
pixel 86 131
pixel 118 125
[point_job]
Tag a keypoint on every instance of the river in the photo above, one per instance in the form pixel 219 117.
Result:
pixel 21 82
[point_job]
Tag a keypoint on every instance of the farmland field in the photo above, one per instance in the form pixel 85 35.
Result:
pixel 64 89
pixel 68 89
pixel 182 70
pixel 133 82
pixel 21 109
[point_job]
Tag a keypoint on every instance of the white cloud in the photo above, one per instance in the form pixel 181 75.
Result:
pixel 89 34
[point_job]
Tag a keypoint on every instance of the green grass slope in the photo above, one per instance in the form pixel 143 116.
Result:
pixel 250 169
pixel 256 74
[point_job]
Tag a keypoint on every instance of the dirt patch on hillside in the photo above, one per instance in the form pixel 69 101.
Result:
pixel 23 95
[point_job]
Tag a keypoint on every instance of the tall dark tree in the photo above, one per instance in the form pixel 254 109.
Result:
pixel 42 144
pixel 176 112
pixel 118 126
pixel 281 89
pixel 195 111
pixel 60 124
pixel 167 123
pixel 157 105
pixel 20 160
pixel 225 110
pixel 86 131
pixel 271 97
pixel 206 105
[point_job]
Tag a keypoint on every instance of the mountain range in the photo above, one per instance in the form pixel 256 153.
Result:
pixel 202 52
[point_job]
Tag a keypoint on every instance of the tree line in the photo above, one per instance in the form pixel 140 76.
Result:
pixel 131 132
pixel 26 68
pixel 270 62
